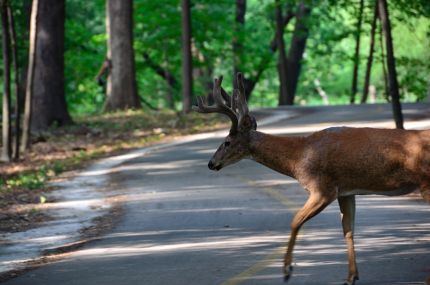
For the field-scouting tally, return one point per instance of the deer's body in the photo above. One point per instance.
(335, 163)
(350, 161)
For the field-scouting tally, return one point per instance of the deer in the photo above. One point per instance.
(336, 163)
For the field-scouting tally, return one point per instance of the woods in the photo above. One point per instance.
(101, 141)
(161, 55)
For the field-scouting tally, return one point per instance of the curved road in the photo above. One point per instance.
(184, 224)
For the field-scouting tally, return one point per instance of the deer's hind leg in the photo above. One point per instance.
(314, 205)
(347, 210)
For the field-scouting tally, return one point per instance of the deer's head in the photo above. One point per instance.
(236, 145)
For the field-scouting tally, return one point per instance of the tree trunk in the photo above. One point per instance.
(297, 48)
(238, 38)
(357, 53)
(49, 102)
(383, 64)
(23, 62)
(391, 64)
(18, 102)
(187, 76)
(370, 57)
(251, 81)
(121, 84)
(6, 153)
(25, 142)
(282, 57)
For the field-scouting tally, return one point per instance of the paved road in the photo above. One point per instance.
(185, 225)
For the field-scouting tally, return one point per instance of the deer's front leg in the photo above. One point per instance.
(347, 209)
(315, 204)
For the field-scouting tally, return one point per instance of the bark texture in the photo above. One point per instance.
(391, 64)
(25, 142)
(370, 57)
(297, 48)
(6, 154)
(18, 102)
(187, 76)
(282, 56)
(121, 83)
(255, 76)
(49, 102)
(357, 53)
(238, 37)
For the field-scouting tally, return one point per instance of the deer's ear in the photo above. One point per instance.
(247, 123)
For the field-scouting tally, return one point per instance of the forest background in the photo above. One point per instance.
(93, 60)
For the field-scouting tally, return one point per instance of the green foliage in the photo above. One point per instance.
(157, 33)
(330, 48)
(85, 51)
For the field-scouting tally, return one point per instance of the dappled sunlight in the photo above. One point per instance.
(275, 182)
(177, 209)
(43, 240)
(208, 243)
(177, 164)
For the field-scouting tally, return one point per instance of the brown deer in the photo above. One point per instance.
(335, 163)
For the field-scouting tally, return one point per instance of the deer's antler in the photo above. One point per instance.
(239, 98)
(221, 106)
(234, 107)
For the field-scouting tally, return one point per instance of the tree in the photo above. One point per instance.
(391, 64)
(18, 102)
(187, 77)
(121, 83)
(238, 37)
(282, 57)
(48, 102)
(6, 154)
(264, 62)
(370, 57)
(28, 110)
(357, 52)
(297, 48)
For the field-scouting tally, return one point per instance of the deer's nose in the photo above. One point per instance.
(211, 165)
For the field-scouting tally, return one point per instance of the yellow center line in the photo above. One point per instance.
(278, 252)
(254, 269)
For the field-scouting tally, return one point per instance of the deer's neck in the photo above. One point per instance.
(281, 154)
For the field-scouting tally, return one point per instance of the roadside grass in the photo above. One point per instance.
(72, 147)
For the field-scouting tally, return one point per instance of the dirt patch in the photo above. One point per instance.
(22, 210)
(100, 226)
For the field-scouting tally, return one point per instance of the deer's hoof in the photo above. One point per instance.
(352, 282)
(287, 273)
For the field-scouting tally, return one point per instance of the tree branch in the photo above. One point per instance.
(264, 62)
(164, 73)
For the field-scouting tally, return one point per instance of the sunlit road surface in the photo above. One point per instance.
(185, 225)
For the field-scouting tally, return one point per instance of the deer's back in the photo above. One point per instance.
(367, 158)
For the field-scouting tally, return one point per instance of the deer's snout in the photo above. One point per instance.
(212, 166)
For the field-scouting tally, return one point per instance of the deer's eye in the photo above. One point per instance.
(226, 143)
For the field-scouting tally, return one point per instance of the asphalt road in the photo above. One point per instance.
(184, 224)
